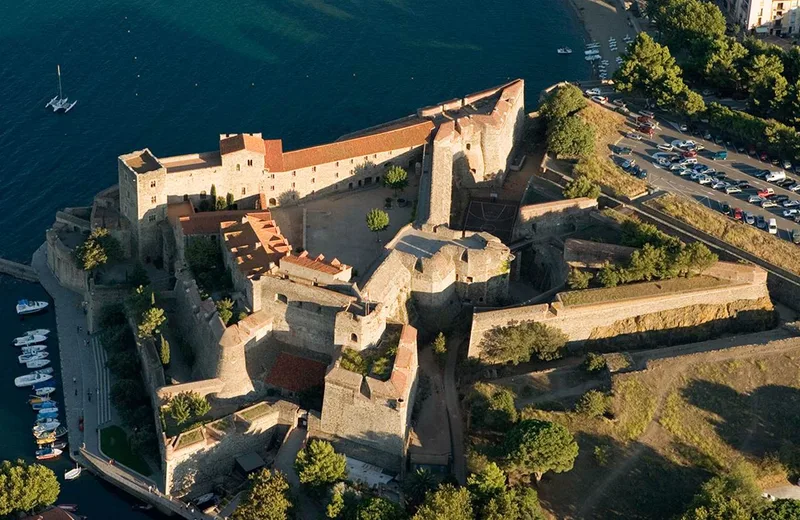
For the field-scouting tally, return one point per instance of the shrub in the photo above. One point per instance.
(593, 404)
(601, 454)
(164, 351)
(578, 279)
(98, 249)
(353, 361)
(594, 363)
(517, 342)
(581, 187)
(225, 310)
(151, 320)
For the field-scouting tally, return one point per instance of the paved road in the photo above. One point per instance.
(454, 410)
(737, 167)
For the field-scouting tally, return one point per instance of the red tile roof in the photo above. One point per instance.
(239, 142)
(318, 263)
(295, 373)
(273, 155)
(255, 241)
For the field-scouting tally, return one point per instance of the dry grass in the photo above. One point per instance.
(600, 168)
(634, 404)
(769, 247)
(640, 290)
(255, 412)
(190, 437)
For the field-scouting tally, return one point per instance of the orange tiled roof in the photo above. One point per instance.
(273, 155)
(318, 263)
(208, 222)
(296, 373)
(255, 242)
(239, 142)
(395, 139)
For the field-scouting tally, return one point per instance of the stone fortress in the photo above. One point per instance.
(307, 303)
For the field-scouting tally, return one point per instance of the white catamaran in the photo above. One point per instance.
(59, 102)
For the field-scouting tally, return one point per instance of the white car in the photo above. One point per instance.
(676, 167)
(690, 160)
(683, 127)
(755, 199)
(704, 179)
(593, 92)
(599, 99)
(732, 189)
(684, 172)
(789, 213)
(634, 136)
(719, 185)
(791, 203)
(695, 176)
(796, 187)
(678, 143)
(666, 147)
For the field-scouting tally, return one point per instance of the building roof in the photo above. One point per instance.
(296, 373)
(249, 462)
(238, 142)
(142, 161)
(394, 139)
(317, 263)
(255, 242)
(208, 222)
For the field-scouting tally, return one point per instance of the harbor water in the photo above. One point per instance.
(172, 76)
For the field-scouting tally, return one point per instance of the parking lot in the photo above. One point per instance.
(737, 167)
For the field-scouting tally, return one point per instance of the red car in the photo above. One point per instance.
(648, 130)
(689, 153)
(763, 156)
(643, 119)
(737, 213)
(766, 193)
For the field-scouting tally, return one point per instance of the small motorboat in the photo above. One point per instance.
(33, 349)
(38, 332)
(24, 358)
(40, 429)
(37, 363)
(29, 339)
(45, 404)
(47, 438)
(61, 431)
(68, 507)
(44, 391)
(46, 371)
(47, 414)
(31, 379)
(30, 306)
(60, 444)
(47, 453)
(591, 52)
(73, 473)
(564, 50)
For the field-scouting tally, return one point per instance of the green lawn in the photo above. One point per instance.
(640, 290)
(114, 443)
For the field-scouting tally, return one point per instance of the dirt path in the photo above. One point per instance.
(454, 410)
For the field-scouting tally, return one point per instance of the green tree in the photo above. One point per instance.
(535, 447)
(517, 342)
(139, 300)
(139, 276)
(577, 279)
(782, 509)
(151, 320)
(581, 186)
(98, 249)
(213, 194)
(446, 503)
(518, 502)
(488, 483)
(696, 258)
(164, 351)
(179, 409)
(123, 363)
(571, 137)
(198, 404)
(734, 496)
(221, 204)
(440, 348)
(564, 101)
(24, 487)
(594, 363)
(593, 404)
(378, 508)
(127, 394)
(267, 498)
(319, 465)
(492, 406)
(417, 485)
(396, 178)
(230, 202)
(225, 310)
(690, 20)
(719, 62)
(377, 220)
(335, 506)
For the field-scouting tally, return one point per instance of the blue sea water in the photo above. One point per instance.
(173, 75)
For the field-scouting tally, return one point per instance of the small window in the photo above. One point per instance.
(313, 180)
(469, 279)
(337, 175)
(244, 191)
(366, 158)
(313, 168)
(469, 146)
(337, 163)
(249, 162)
(153, 199)
(238, 167)
(294, 173)
(272, 176)
(354, 337)
(351, 161)
(151, 218)
(272, 188)
(185, 197)
(281, 298)
(293, 185)
(202, 194)
(352, 172)
(152, 184)
(336, 187)
(374, 156)
(273, 202)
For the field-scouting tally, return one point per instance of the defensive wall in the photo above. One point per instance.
(207, 453)
(553, 218)
(585, 322)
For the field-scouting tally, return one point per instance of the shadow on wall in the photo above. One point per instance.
(743, 321)
(651, 487)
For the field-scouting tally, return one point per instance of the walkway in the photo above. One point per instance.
(454, 409)
(103, 376)
(305, 507)
(17, 270)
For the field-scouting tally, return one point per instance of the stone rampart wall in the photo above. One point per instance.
(61, 261)
(553, 217)
(98, 297)
(579, 321)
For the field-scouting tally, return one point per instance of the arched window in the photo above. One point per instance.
(273, 202)
(281, 298)
(354, 337)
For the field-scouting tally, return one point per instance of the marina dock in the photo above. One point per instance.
(17, 270)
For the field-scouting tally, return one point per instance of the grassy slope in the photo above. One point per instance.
(114, 443)
(640, 290)
(769, 247)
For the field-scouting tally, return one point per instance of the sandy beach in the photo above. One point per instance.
(601, 21)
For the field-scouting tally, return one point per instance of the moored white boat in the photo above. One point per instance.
(38, 332)
(591, 52)
(30, 339)
(50, 413)
(33, 356)
(48, 453)
(44, 391)
(30, 306)
(564, 50)
(37, 363)
(31, 379)
(44, 405)
(32, 349)
(48, 370)
(73, 473)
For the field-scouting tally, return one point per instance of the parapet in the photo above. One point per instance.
(141, 161)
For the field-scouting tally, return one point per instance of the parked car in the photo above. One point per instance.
(647, 130)
(720, 156)
(772, 227)
(647, 113)
(624, 150)
(707, 135)
(628, 164)
(761, 222)
(751, 151)
(767, 203)
(780, 198)
(755, 199)
(599, 99)
(790, 203)
(766, 192)
(676, 167)
(644, 119)
(749, 218)
(796, 236)
(774, 161)
(786, 165)
(760, 174)
(785, 183)
(619, 102)
(740, 148)
(592, 92)
(704, 179)
(634, 136)
(738, 214)
(763, 156)
(689, 153)
(719, 185)
(683, 127)
(726, 209)
(701, 168)
(794, 187)
(790, 213)
(695, 176)
(683, 172)
(689, 160)
(775, 176)
(730, 190)
(666, 147)
(719, 140)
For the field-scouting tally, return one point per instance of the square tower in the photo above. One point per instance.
(142, 200)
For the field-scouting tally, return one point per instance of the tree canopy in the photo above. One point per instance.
(377, 220)
(396, 178)
(517, 342)
(570, 137)
(536, 447)
(24, 487)
(446, 503)
(581, 186)
(267, 498)
(98, 249)
(733, 496)
(318, 464)
(562, 102)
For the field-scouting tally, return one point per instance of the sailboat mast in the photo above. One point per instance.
(59, 81)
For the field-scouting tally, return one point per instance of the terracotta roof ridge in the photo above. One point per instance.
(368, 136)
